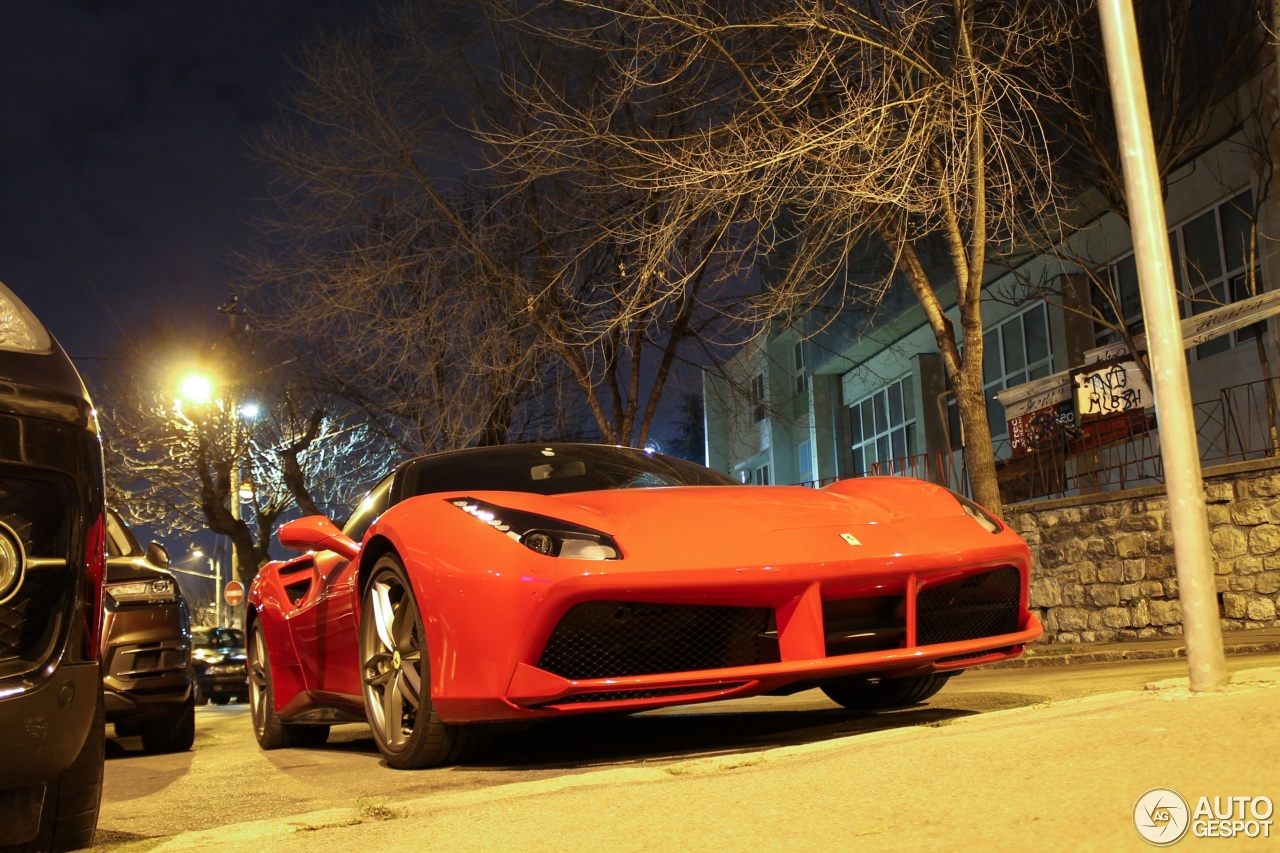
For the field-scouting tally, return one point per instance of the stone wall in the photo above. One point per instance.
(1103, 566)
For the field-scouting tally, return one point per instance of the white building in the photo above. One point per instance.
(860, 397)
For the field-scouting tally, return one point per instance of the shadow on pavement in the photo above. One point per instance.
(594, 740)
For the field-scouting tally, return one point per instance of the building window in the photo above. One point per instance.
(883, 425)
(1016, 351)
(1218, 264)
(1212, 266)
(761, 476)
(797, 365)
(757, 397)
(804, 462)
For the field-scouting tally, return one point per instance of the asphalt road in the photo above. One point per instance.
(226, 779)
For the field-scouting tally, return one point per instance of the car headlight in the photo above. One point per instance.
(548, 536)
(20, 331)
(154, 590)
(979, 514)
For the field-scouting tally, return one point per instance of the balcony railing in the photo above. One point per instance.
(1241, 423)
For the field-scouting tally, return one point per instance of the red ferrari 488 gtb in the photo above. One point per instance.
(526, 581)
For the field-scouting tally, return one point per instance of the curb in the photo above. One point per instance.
(1030, 661)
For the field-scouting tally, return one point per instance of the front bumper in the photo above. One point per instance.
(45, 725)
(220, 684)
(803, 624)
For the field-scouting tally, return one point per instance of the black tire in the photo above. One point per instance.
(199, 695)
(270, 731)
(69, 811)
(129, 729)
(171, 734)
(878, 694)
(405, 724)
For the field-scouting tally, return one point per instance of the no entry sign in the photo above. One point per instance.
(233, 593)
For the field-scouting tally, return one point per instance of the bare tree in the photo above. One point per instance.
(838, 126)
(1195, 56)
(180, 464)
(460, 296)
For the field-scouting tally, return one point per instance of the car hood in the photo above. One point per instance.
(727, 509)
(875, 518)
(120, 569)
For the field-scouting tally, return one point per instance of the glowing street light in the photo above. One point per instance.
(196, 388)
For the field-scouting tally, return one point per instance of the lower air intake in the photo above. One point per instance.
(612, 639)
(980, 605)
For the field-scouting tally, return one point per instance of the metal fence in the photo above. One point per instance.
(1121, 452)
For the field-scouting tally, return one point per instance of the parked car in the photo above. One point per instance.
(52, 562)
(218, 658)
(533, 581)
(146, 645)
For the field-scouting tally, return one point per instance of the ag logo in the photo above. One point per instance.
(1161, 817)
(850, 539)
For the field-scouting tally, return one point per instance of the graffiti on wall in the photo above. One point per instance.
(1110, 390)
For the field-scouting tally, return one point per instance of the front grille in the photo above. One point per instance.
(612, 639)
(28, 619)
(148, 660)
(979, 605)
(654, 693)
(39, 511)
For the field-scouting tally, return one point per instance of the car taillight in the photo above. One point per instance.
(95, 562)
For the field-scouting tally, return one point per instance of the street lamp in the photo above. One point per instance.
(215, 563)
(199, 389)
(196, 388)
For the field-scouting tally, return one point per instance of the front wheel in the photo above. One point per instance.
(396, 671)
(270, 731)
(878, 694)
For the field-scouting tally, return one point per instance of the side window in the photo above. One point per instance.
(370, 507)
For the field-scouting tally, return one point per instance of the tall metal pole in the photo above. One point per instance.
(1183, 484)
(235, 494)
(217, 588)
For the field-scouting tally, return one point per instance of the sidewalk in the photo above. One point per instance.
(1061, 776)
(1234, 643)
(1066, 776)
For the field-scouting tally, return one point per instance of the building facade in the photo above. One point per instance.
(869, 395)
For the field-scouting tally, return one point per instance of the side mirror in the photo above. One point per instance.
(158, 555)
(316, 533)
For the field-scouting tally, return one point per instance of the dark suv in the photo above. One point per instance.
(146, 645)
(218, 657)
(52, 561)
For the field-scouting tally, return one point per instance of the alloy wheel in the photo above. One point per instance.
(391, 642)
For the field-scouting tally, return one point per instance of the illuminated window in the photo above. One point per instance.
(883, 425)
(758, 399)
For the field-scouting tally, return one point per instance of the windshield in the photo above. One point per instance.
(553, 469)
(120, 539)
(218, 638)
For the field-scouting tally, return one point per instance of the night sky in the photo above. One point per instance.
(124, 177)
